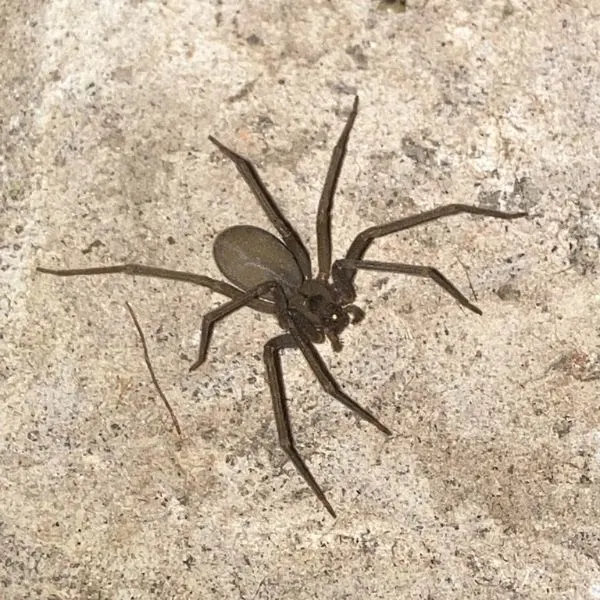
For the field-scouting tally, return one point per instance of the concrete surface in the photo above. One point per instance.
(489, 487)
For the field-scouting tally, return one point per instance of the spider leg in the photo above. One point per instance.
(341, 269)
(134, 269)
(295, 338)
(272, 360)
(307, 348)
(291, 238)
(326, 379)
(364, 239)
(326, 201)
(245, 299)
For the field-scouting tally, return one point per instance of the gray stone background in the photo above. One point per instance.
(489, 487)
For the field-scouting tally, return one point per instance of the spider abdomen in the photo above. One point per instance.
(249, 256)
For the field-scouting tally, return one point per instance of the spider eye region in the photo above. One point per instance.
(332, 317)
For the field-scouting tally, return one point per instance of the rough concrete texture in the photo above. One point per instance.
(489, 486)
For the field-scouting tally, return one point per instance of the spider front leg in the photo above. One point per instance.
(344, 269)
(288, 321)
(299, 340)
(326, 379)
(272, 358)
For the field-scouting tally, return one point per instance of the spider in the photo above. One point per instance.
(274, 275)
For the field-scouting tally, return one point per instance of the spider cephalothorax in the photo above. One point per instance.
(275, 276)
(324, 310)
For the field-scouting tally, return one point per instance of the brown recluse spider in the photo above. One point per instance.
(275, 276)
